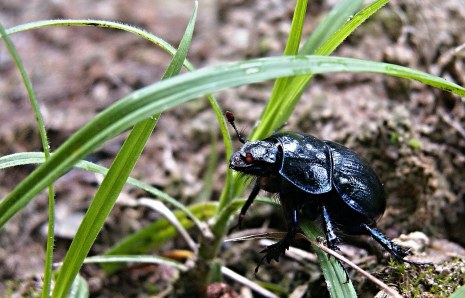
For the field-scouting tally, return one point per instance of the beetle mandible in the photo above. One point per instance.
(314, 178)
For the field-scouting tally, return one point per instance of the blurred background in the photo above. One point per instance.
(413, 135)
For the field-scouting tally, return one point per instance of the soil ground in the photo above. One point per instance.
(413, 135)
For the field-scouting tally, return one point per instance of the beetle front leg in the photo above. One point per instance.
(250, 199)
(274, 251)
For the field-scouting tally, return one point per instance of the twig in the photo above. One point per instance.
(451, 122)
(169, 215)
(378, 282)
(390, 291)
(247, 282)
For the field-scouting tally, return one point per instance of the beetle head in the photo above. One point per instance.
(255, 158)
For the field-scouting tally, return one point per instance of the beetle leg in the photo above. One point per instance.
(250, 199)
(397, 251)
(331, 237)
(274, 251)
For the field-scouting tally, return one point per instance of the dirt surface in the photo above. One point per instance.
(413, 135)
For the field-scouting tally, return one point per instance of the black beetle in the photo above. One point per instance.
(314, 178)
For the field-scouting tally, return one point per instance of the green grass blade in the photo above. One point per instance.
(99, 209)
(459, 293)
(340, 35)
(293, 42)
(208, 178)
(30, 158)
(174, 91)
(43, 137)
(335, 19)
(79, 289)
(292, 45)
(114, 181)
(148, 238)
(280, 108)
(333, 272)
(157, 233)
(180, 57)
(30, 90)
(227, 193)
(98, 23)
(135, 259)
(21, 159)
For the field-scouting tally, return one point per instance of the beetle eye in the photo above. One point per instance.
(248, 158)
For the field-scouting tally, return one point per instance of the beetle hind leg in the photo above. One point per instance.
(397, 251)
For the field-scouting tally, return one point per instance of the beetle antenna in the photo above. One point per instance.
(230, 116)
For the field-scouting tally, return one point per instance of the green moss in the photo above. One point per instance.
(394, 137)
(151, 289)
(432, 281)
(414, 143)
